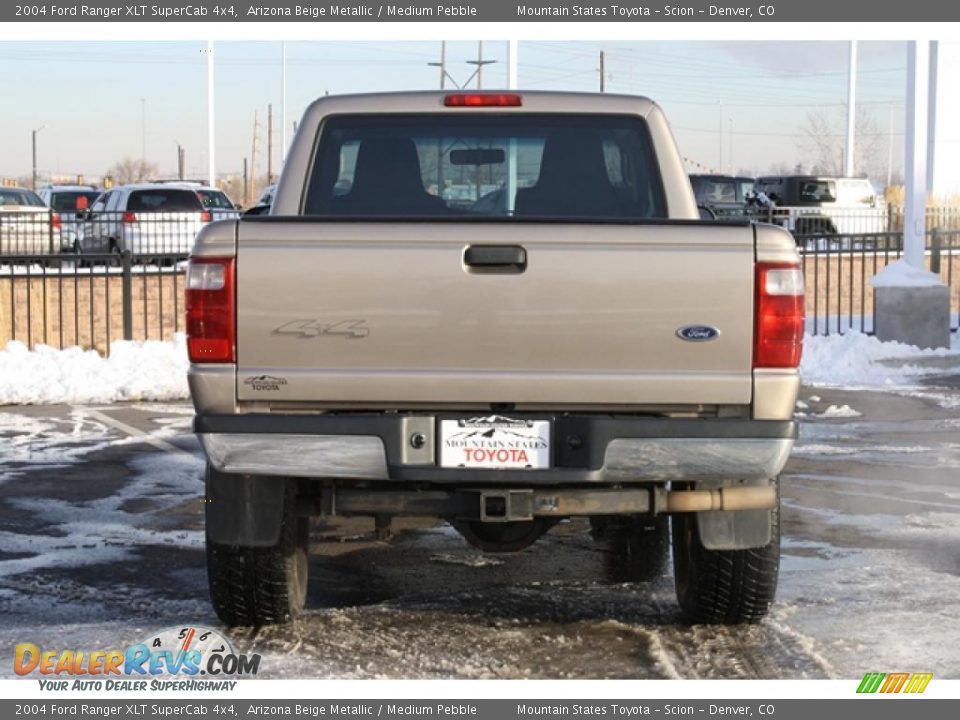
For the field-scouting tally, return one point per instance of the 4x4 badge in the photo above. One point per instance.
(350, 329)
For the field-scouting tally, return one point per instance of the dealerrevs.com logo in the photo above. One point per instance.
(893, 683)
(178, 658)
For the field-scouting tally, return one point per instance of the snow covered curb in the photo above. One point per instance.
(150, 370)
(856, 360)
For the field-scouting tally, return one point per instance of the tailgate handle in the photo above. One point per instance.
(495, 258)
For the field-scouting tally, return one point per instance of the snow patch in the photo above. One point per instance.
(856, 360)
(148, 370)
(469, 560)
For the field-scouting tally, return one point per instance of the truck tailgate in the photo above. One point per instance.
(388, 313)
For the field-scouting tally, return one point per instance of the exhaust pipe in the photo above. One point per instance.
(740, 498)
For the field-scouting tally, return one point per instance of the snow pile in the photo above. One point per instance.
(150, 370)
(857, 360)
(901, 274)
(840, 411)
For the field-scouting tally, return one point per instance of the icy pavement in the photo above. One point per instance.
(101, 543)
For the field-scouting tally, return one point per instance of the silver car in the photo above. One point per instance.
(27, 226)
(145, 219)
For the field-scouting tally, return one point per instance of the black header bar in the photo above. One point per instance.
(486, 11)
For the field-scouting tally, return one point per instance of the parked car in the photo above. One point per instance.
(821, 205)
(144, 219)
(724, 195)
(584, 348)
(218, 203)
(214, 200)
(68, 201)
(27, 226)
(266, 197)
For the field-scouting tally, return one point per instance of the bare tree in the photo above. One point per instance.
(130, 170)
(823, 142)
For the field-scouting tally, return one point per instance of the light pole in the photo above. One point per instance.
(33, 142)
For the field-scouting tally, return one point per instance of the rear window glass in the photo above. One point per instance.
(525, 166)
(164, 200)
(19, 197)
(66, 201)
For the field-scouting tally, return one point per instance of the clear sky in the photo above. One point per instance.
(92, 97)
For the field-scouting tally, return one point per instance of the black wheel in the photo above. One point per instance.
(724, 586)
(261, 585)
(639, 546)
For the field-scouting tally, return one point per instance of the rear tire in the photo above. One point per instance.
(724, 586)
(262, 585)
(639, 546)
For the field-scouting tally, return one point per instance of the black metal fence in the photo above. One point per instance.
(838, 270)
(825, 221)
(78, 296)
(143, 235)
(91, 300)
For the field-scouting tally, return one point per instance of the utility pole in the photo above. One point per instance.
(246, 184)
(730, 145)
(34, 148)
(181, 158)
(850, 166)
(253, 153)
(720, 134)
(143, 130)
(479, 62)
(603, 71)
(443, 64)
(444, 75)
(269, 143)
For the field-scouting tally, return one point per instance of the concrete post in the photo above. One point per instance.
(912, 304)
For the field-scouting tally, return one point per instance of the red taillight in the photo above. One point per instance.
(778, 333)
(205, 216)
(129, 217)
(483, 100)
(211, 313)
(55, 221)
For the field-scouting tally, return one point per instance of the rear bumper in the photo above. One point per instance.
(586, 449)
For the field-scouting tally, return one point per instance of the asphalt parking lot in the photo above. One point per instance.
(102, 543)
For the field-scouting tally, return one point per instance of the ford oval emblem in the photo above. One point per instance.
(697, 333)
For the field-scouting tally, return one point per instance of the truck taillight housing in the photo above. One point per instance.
(211, 310)
(778, 332)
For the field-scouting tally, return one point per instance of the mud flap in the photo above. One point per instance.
(244, 510)
(734, 530)
(741, 530)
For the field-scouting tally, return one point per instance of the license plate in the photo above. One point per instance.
(494, 442)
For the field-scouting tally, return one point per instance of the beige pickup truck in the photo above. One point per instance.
(502, 310)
